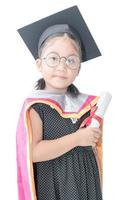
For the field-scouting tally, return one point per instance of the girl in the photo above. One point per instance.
(55, 148)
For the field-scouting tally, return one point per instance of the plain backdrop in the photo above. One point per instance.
(112, 24)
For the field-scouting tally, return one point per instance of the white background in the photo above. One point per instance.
(112, 24)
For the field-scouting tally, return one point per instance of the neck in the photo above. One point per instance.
(63, 91)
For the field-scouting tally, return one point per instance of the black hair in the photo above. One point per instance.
(41, 84)
(76, 40)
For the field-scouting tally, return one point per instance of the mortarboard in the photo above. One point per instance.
(64, 21)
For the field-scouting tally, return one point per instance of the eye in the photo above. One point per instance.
(53, 58)
(71, 61)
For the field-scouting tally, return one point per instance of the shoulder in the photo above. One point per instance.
(88, 99)
(37, 110)
(86, 95)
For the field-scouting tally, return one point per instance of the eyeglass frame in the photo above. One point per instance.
(44, 58)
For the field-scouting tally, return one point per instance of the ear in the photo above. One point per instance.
(39, 64)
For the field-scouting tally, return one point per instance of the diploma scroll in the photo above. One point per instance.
(102, 106)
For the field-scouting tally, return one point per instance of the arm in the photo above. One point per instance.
(44, 150)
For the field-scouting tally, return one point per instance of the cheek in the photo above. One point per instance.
(73, 75)
(46, 71)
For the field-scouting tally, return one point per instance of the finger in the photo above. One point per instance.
(93, 144)
(97, 136)
(95, 140)
(100, 140)
(97, 129)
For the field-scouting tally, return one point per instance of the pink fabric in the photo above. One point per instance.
(21, 157)
(88, 101)
(23, 182)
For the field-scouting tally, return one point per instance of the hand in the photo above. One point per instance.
(88, 136)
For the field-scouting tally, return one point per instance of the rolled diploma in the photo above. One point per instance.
(102, 106)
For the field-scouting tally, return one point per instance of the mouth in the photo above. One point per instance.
(61, 77)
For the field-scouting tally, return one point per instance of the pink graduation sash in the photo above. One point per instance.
(25, 174)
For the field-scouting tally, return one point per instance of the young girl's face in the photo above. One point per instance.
(58, 78)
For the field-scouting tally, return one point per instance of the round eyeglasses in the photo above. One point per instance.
(53, 60)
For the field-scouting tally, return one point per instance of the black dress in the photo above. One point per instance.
(72, 176)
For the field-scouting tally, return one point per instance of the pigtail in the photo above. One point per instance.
(73, 90)
(40, 84)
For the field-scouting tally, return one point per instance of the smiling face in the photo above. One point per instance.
(58, 78)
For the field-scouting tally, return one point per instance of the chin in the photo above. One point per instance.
(60, 87)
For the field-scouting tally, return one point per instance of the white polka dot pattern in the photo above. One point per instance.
(72, 176)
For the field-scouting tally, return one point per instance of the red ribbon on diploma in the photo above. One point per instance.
(88, 120)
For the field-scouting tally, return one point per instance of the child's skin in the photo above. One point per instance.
(57, 80)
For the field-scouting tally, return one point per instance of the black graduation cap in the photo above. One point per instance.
(71, 17)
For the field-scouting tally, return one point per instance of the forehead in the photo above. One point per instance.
(62, 45)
